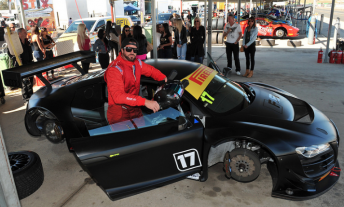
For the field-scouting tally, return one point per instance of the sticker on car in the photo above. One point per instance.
(187, 160)
(199, 80)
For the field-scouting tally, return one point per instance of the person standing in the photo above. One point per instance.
(188, 17)
(26, 56)
(165, 50)
(197, 36)
(84, 44)
(249, 43)
(101, 46)
(37, 44)
(233, 33)
(112, 36)
(70, 21)
(48, 44)
(11, 57)
(157, 37)
(142, 40)
(125, 34)
(180, 39)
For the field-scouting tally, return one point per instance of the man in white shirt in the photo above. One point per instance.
(233, 33)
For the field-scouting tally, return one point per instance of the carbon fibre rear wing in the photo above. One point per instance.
(13, 77)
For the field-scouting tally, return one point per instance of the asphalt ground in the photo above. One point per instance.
(292, 69)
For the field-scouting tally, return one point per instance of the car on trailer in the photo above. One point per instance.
(205, 118)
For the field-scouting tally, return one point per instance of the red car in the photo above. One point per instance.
(269, 28)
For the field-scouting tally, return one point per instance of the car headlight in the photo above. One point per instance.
(313, 150)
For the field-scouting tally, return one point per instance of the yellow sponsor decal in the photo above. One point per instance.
(114, 155)
(199, 80)
(122, 22)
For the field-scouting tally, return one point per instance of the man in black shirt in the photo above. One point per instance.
(188, 17)
(26, 56)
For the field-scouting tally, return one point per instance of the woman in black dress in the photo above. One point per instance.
(113, 38)
(125, 34)
(48, 44)
(197, 36)
(165, 50)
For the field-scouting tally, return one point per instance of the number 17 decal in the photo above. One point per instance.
(187, 160)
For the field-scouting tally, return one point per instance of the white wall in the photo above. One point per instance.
(67, 9)
(103, 7)
(62, 17)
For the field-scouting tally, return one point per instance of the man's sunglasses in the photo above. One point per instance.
(129, 49)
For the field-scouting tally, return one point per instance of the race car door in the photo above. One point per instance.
(140, 154)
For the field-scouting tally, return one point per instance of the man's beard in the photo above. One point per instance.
(131, 59)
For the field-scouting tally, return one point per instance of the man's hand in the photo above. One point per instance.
(236, 42)
(245, 46)
(165, 79)
(153, 105)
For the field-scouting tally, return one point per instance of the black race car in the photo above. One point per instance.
(215, 119)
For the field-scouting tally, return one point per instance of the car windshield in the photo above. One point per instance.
(164, 16)
(73, 28)
(223, 95)
(134, 18)
(216, 92)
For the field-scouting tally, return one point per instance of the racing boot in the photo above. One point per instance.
(247, 72)
(250, 74)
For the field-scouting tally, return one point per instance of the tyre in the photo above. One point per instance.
(214, 38)
(267, 42)
(220, 23)
(214, 24)
(245, 165)
(280, 33)
(220, 38)
(27, 172)
(294, 43)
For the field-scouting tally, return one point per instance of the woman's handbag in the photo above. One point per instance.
(114, 38)
(149, 47)
(242, 48)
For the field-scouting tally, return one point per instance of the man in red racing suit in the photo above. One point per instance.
(123, 81)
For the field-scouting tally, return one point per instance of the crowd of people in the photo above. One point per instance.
(184, 43)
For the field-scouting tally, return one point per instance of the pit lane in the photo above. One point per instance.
(294, 70)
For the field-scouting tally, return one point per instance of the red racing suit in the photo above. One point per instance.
(123, 82)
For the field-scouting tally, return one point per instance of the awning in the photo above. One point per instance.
(130, 7)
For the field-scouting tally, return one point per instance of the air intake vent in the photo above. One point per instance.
(322, 131)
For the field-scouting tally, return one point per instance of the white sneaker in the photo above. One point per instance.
(238, 73)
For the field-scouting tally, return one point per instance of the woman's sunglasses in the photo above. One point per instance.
(129, 49)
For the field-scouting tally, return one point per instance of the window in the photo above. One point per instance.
(73, 28)
(100, 25)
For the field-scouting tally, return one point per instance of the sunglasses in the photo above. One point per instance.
(250, 21)
(127, 30)
(129, 49)
(196, 21)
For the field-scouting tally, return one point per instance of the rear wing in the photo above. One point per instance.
(13, 77)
